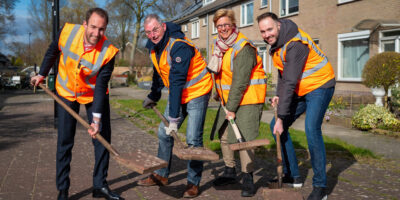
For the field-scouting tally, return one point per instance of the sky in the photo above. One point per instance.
(22, 27)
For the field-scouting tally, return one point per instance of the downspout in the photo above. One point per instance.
(269, 56)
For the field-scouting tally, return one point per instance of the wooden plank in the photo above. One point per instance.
(195, 153)
(141, 161)
(248, 145)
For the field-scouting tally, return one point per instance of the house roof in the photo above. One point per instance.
(202, 10)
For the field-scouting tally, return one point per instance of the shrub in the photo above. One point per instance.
(372, 116)
(382, 70)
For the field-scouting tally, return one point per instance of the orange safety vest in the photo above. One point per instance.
(198, 80)
(257, 88)
(317, 70)
(77, 69)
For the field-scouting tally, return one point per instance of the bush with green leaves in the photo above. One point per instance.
(372, 116)
(382, 70)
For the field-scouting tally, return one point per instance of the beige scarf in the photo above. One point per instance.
(220, 47)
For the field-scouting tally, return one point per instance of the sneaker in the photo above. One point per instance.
(228, 177)
(318, 193)
(292, 182)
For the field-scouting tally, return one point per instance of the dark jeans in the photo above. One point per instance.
(65, 142)
(314, 104)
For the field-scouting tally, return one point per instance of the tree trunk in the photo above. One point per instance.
(134, 43)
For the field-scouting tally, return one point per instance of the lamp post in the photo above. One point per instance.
(29, 50)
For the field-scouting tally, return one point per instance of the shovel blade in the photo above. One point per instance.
(248, 145)
(281, 194)
(195, 153)
(140, 162)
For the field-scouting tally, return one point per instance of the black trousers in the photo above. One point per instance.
(65, 142)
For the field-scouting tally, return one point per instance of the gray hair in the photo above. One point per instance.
(152, 16)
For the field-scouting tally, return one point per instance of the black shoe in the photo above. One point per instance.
(318, 193)
(248, 189)
(292, 182)
(228, 177)
(105, 192)
(62, 195)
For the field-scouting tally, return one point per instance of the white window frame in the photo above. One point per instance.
(205, 21)
(346, 37)
(184, 28)
(287, 8)
(344, 1)
(195, 34)
(214, 29)
(261, 4)
(206, 2)
(245, 14)
(383, 39)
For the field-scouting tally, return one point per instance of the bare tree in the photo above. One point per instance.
(120, 26)
(41, 23)
(172, 8)
(6, 16)
(75, 11)
(139, 8)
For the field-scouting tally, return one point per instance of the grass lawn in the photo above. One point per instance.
(148, 120)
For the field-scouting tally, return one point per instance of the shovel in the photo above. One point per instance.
(275, 190)
(138, 161)
(184, 152)
(242, 144)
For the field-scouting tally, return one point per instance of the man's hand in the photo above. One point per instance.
(148, 103)
(278, 128)
(230, 115)
(95, 127)
(172, 127)
(35, 80)
(275, 101)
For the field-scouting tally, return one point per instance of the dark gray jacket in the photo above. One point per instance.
(296, 57)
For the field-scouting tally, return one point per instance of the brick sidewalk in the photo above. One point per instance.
(27, 167)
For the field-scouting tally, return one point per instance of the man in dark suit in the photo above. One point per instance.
(85, 67)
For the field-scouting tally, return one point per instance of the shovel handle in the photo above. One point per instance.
(80, 120)
(234, 126)
(166, 123)
(278, 151)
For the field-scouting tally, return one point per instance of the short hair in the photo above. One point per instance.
(266, 15)
(98, 11)
(152, 16)
(224, 13)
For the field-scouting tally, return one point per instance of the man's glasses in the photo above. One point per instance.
(154, 31)
(224, 25)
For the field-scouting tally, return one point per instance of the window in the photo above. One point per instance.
(289, 7)
(184, 28)
(195, 29)
(390, 41)
(246, 16)
(214, 29)
(353, 53)
(344, 1)
(264, 3)
(208, 2)
(205, 21)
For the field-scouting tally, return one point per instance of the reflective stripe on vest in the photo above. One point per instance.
(317, 70)
(91, 69)
(256, 88)
(200, 77)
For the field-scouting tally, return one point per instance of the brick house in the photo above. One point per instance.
(348, 31)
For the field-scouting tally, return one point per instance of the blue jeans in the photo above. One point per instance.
(314, 104)
(196, 111)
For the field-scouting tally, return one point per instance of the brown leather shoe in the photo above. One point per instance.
(191, 191)
(153, 179)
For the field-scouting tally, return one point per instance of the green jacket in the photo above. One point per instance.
(247, 116)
